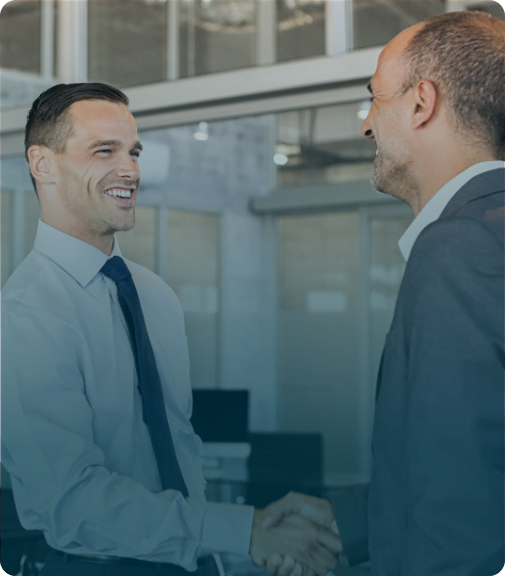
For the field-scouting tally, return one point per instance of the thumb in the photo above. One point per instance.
(273, 518)
(277, 510)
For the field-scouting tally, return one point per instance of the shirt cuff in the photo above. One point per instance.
(227, 528)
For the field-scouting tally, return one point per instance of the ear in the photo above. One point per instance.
(424, 104)
(42, 164)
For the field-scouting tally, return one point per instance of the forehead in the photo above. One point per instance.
(101, 119)
(390, 69)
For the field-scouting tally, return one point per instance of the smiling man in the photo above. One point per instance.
(435, 502)
(96, 396)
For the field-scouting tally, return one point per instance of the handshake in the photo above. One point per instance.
(296, 536)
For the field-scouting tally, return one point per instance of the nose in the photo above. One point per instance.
(366, 129)
(129, 167)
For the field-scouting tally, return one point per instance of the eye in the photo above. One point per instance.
(135, 153)
(105, 150)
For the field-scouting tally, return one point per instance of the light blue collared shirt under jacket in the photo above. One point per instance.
(73, 439)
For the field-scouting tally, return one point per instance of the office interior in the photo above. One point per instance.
(255, 206)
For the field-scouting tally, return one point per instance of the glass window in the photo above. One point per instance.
(127, 41)
(318, 332)
(139, 243)
(192, 261)
(376, 23)
(300, 29)
(323, 145)
(20, 35)
(216, 35)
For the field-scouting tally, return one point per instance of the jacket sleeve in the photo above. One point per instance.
(454, 448)
(350, 510)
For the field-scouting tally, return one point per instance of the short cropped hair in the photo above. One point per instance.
(49, 122)
(463, 54)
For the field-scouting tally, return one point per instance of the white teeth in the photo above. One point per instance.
(119, 192)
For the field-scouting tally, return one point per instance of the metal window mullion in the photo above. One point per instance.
(72, 41)
(47, 39)
(266, 32)
(338, 27)
(172, 40)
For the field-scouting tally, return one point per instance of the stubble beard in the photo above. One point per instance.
(394, 178)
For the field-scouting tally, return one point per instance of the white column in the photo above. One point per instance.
(72, 41)
(266, 31)
(338, 27)
(248, 313)
(173, 40)
(47, 39)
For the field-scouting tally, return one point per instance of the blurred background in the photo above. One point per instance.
(255, 207)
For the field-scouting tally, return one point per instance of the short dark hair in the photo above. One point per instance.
(463, 54)
(49, 123)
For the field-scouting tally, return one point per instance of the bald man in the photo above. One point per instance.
(434, 505)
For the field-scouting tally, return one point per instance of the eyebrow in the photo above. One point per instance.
(115, 143)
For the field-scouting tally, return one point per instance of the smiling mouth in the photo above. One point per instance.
(122, 196)
(120, 192)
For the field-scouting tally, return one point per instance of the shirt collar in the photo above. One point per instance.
(80, 259)
(436, 205)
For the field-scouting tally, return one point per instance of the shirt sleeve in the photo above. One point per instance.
(59, 479)
(454, 447)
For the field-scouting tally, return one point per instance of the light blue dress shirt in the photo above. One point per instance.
(435, 206)
(73, 439)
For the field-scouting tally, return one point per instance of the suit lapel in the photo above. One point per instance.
(478, 187)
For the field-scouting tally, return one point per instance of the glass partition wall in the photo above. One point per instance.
(137, 42)
(293, 307)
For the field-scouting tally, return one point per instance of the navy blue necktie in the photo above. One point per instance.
(155, 414)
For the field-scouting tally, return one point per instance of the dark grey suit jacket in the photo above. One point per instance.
(435, 502)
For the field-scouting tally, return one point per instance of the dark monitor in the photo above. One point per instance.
(221, 415)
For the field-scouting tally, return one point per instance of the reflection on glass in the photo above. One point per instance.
(322, 145)
(139, 243)
(127, 41)
(318, 332)
(6, 234)
(300, 29)
(376, 23)
(216, 35)
(31, 208)
(20, 36)
(193, 240)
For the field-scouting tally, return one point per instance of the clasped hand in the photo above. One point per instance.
(296, 536)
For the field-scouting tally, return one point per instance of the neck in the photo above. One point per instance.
(440, 167)
(104, 243)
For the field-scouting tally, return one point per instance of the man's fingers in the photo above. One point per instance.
(325, 559)
(274, 562)
(313, 563)
(273, 518)
(330, 540)
(287, 566)
(277, 510)
(257, 560)
(308, 572)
